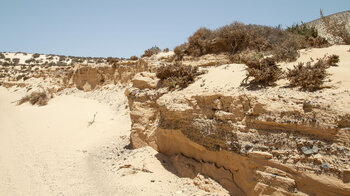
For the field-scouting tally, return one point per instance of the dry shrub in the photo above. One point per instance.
(2, 56)
(264, 71)
(311, 77)
(28, 61)
(344, 121)
(59, 63)
(166, 50)
(62, 58)
(134, 58)
(100, 60)
(336, 27)
(234, 38)
(246, 56)
(15, 61)
(317, 42)
(35, 98)
(207, 64)
(112, 61)
(199, 42)
(36, 55)
(151, 51)
(176, 75)
(180, 50)
(332, 60)
(238, 37)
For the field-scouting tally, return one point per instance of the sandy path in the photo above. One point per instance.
(43, 149)
(51, 150)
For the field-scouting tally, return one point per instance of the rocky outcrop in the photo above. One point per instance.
(238, 139)
(87, 77)
(339, 18)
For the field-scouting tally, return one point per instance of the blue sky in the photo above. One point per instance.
(103, 28)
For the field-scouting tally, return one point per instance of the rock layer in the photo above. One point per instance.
(238, 140)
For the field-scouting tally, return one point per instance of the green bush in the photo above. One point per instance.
(176, 75)
(303, 30)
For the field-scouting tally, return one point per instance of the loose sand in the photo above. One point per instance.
(52, 150)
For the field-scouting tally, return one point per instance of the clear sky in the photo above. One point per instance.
(122, 28)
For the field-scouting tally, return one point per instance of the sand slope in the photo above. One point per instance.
(51, 150)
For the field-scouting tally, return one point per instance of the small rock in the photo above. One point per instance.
(346, 175)
(260, 155)
(249, 146)
(309, 151)
(307, 107)
(243, 152)
(325, 166)
(152, 180)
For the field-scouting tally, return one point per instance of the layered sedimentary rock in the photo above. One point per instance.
(236, 137)
(89, 77)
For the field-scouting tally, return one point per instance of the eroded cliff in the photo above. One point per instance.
(275, 140)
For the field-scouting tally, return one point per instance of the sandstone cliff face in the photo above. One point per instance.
(252, 142)
(89, 77)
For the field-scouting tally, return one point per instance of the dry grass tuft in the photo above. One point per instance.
(35, 98)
